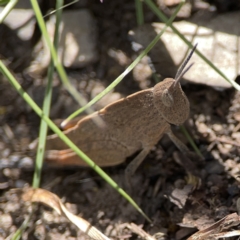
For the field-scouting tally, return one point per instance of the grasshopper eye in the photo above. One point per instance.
(167, 98)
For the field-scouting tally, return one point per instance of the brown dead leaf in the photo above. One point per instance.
(53, 201)
(180, 196)
(218, 229)
(140, 232)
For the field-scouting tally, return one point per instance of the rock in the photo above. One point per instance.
(20, 20)
(142, 72)
(169, 6)
(77, 47)
(170, 3)
(25, 4)
(217, 40)
(15, 36)
(77, 42)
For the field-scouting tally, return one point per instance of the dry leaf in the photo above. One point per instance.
(140, 232)
(53, 201)
(215, 231)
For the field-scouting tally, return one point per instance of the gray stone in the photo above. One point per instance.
(217, 39)
(22, 21)
(77, 47)
(25, 162)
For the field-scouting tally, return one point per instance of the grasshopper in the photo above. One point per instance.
(133, 124)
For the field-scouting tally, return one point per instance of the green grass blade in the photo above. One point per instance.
(54, 56)
(129, 69)
(64, 6)
(43, 127)
(139, 12)
(7, 9)
(61, 71)
(46, 104)
(161, 16)
(18, 234)
(190, 140)
(62, 136)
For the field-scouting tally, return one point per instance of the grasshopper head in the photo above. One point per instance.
(169, 97)
(171, 101)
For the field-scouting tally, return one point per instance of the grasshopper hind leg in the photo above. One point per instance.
(133, 165)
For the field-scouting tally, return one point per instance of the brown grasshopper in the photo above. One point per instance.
(132, 124)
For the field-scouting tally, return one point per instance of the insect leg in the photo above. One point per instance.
(178, 143)
(189, 165)
(132, 166)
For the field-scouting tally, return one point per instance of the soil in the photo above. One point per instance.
(177, 205)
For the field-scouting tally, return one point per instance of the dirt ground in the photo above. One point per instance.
(163, 189)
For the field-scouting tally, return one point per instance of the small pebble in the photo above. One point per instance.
(214, 167)
(217, 127)
(237, 116)
(215, 180)
(221, 212)
(100, 214)
(201, 118)
(26, 162)
(40, 232)
(4, 185)
(14, 158)
(203, 128)
(5, 221)
(2, 145)
(20, 183)
(12, 173)
(233, 190)
(6, 152)
(5, 163)
(236, 135)
(180, 183)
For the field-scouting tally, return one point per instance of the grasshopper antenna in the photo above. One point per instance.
(181, 74)
(180, 71)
